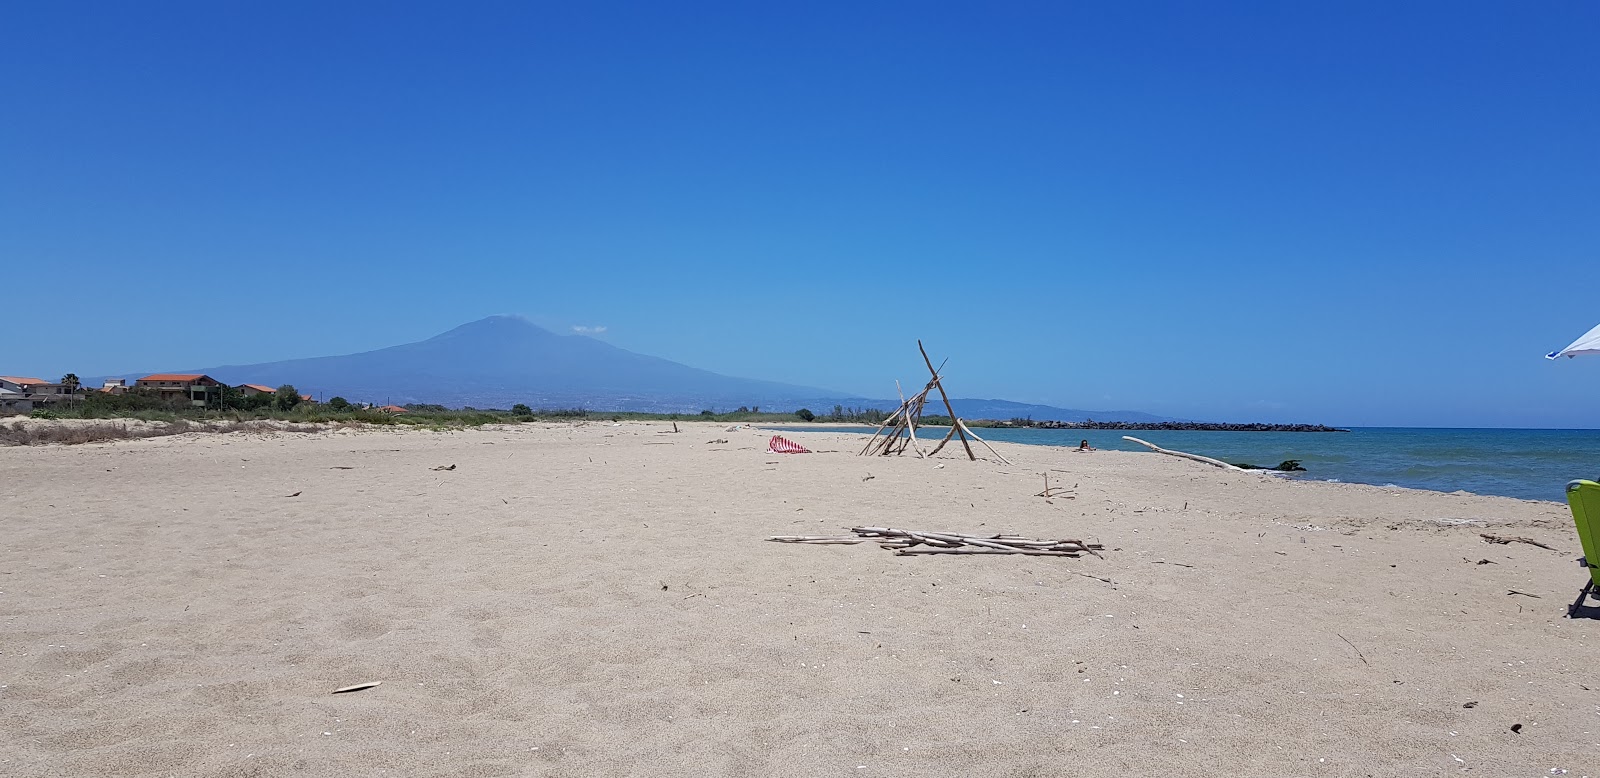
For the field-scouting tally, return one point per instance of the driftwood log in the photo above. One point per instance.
(909, 542)
(1185, 455)
(1504, 539)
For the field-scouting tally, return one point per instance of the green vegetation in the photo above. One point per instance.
(285, 405)
(286, 398)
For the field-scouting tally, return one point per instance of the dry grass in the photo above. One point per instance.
(35, 433)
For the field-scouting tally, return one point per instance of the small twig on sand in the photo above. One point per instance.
(1360, 655)
(1504, 539)
(1524, 594)
(1179, 564)
(1056, 491)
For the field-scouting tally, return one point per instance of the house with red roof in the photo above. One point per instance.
(21, 394)
(198, 389)
(16, 393)
(22, 384)
(254, 389)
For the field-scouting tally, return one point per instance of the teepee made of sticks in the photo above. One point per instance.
(899, 430)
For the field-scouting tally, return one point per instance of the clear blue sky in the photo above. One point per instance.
(1366, 214)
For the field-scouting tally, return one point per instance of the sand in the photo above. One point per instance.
(599, 600)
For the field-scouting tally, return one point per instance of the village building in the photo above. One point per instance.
(198, 389)
(12, 399)
(20, 394)
(21, 384)
(250, 390)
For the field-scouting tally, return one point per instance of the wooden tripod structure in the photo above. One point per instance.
(899, 430)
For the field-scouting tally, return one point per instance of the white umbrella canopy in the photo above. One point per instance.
(1588, 344)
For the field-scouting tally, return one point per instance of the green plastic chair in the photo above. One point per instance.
(1584, 498)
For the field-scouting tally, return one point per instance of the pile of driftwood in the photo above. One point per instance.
(899, 431)
(907, 542)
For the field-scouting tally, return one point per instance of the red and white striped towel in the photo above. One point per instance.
(782, 445)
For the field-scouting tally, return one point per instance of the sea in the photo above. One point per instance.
(1526, 464)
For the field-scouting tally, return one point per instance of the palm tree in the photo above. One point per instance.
(70, 383)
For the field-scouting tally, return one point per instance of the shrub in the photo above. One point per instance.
(339, 404)
(805, 414)
(521, 410)
(286, 398)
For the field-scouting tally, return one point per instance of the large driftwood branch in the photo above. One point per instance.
(981, 440)
(911, 424)
(1185, 455)
(954, 420)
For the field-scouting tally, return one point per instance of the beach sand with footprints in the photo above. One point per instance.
(600, 599)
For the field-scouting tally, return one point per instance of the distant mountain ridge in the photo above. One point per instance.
(500, 361)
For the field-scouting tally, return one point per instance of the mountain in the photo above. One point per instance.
(504, 360)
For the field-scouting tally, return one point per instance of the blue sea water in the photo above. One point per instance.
(1528, 464)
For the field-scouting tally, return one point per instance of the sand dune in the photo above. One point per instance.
(598, 600)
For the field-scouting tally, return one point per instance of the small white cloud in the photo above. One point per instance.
(582, 330)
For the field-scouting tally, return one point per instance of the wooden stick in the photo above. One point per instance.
(911, 430)
(955, 423)
(1024, 551)
(879, 431)
(1195, 457)
(981, 440)
(1362, 656)
(892, 532)
(942, 442)
(1504, 539)
(816, 539)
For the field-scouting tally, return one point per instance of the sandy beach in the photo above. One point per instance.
(599, 599)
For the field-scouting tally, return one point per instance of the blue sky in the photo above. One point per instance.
(1351, 213)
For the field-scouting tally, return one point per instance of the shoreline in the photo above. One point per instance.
(599, 598)
(581, 598)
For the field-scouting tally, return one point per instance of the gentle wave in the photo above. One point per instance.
(1527, 464)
